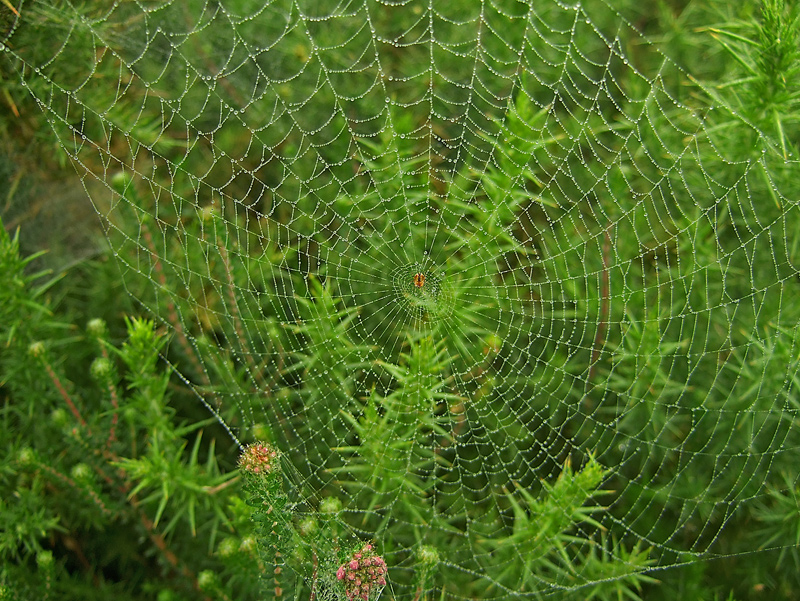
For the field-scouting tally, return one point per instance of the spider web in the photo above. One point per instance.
(437, 250)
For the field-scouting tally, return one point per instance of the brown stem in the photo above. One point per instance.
(172, 314)
(237, 320)
(112, 432)
(74, 547)
(72, 484)
(65, 395)
(459, 410)
(599, 339)
(314, 576)
(212, 490)
(158, 540)
(112, 391)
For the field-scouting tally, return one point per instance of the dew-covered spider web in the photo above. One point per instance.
(499, 276)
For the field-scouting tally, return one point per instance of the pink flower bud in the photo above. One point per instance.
(258, 458)
(362, 574)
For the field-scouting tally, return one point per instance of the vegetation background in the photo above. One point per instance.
(120, 481)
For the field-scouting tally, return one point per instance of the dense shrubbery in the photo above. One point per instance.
(607, 283)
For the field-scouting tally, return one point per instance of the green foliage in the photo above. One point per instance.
(125, 468)
(611, 283)
(766, 51)
(98, 467)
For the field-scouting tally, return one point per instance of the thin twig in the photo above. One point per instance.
(237, 320)
(172, 314)
(599, 339)
(314, 576)
(65, 395)
(112, 391)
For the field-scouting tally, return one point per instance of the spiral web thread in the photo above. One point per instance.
(479, 218)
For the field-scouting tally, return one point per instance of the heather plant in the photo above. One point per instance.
(128, 489)
(363, 575)
(96, 459)
(490, 300)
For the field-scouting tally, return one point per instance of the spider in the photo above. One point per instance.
(419, 280)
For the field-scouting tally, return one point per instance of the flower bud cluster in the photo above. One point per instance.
(259, 458)
(364, 576)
